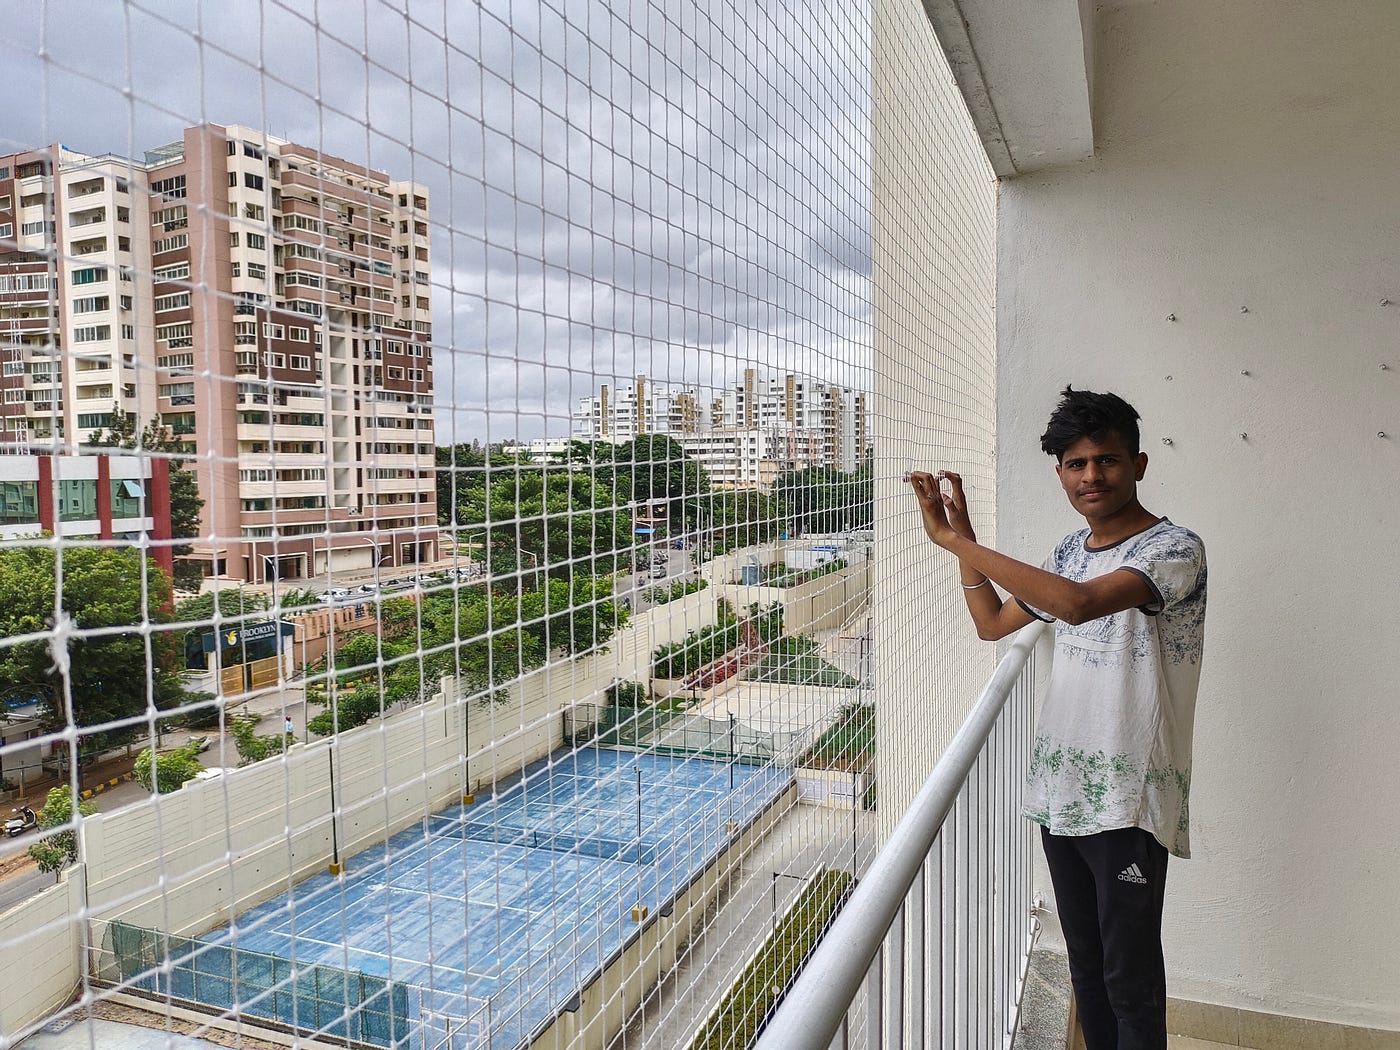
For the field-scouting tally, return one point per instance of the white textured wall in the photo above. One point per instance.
(1248, 157)
(934, 251)
(39, 967)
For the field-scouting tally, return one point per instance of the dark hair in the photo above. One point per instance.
(1083, 413)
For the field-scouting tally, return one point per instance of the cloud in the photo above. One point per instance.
(649, 186)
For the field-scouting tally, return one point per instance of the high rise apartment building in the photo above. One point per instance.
(269, 303)
(746, 435)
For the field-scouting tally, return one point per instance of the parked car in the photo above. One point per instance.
(660, 572)
(336, 594)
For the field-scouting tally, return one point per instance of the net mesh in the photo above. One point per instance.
(453, 560)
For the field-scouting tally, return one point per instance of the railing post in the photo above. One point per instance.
(875, 1003)
(894, 985)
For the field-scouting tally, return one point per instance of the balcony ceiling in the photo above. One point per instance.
(1024, 67)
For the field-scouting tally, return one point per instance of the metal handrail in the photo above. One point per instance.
(812, 1012)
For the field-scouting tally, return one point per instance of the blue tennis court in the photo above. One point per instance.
(496, 914)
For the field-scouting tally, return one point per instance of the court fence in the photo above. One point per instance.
(307, 998)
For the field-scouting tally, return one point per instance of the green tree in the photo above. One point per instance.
(58, 845)
(105, 675)
(736, 518)
(653, 468)
(186, 504)
(165, 773)
(564, 520)
(821, 499)
(231, 602)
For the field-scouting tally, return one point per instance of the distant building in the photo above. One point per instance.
(98, 496)
(744, 436)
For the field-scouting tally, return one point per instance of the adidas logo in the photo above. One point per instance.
(1132, 873)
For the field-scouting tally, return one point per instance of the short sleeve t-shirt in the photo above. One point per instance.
(1113, 742)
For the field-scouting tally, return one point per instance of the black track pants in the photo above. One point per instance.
(1109, 889)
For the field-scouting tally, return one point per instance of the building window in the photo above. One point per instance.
(172, 188)
(257, 271)
(7, 229)
(175, 390)
(298, 361)
(127, 497)
(92, 333)
(91, 304)
(256, 241)
(171, 219)
(77, 500)
(273, 331)
(175, 272)
(90, 275)
(176, 335)
(298, 335)
(172, 302)
(245, 333)
(19, 502)
(253, 211)
(171, 243)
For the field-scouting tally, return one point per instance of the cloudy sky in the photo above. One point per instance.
(672, 187)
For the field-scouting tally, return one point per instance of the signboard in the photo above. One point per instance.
(233, 637)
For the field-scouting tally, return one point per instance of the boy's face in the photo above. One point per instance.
(1100, 477)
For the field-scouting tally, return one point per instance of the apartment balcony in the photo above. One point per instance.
(1189, 210)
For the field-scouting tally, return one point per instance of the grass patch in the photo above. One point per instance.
(794, 661)
(848, 744)
(747, 1005)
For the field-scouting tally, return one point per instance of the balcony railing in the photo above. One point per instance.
(932, 945)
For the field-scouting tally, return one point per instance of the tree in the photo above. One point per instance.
(251, 746)
(165, 773)
(59, 848)
(231, 602)
(563, 519)
(186, 504)
(103, 677)
(820, 499)
(737, 518)
(653, 468)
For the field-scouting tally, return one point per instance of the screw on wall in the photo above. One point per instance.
(1385, 302)
(1382, 434)
(1244, 436)
(1244, 309)
(1171, 317)
(1169, 379)
(1385, 367)
(1166, 441)
(1244, 371)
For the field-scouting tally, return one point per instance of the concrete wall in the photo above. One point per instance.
(934, 281)
(1246, 160)
(40, 965)
(825, 603)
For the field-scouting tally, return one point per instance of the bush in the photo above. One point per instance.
(626, 694)
(56, 850)
(748, 1004)
(677, 589)
(251, 747)
(782, 576)
(170, 769)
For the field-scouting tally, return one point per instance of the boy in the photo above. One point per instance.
(1110, 769)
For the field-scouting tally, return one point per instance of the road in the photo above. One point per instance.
(273, 706)
(633, 587)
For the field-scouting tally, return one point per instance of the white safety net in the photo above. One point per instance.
(456, 587)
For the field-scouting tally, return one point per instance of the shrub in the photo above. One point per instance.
(677, 589)
(254, 748)
(626, 694)
(165, 773)
(56, 850)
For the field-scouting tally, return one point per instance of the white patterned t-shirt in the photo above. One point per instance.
(1113, 741)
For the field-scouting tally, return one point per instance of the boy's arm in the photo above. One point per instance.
(946, 523)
